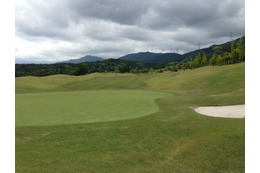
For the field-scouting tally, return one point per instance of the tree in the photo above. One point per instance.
(82, 69)
(159, 70)
(191, 64)
(197, 61)
(116, 70)
(167, 68)
(204, 60)
(178, 67)
(234, 54)
(219, 60)
(240, 50)
(226, 57)
(144, 70)
(216, 48)
(137, 71)
(212, 60)
(172, 68)
(183, 66)
(151, 70)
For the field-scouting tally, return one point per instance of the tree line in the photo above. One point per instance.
(236, 54)
(110, 65)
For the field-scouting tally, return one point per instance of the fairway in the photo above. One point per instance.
(55, 108)
(134, 123)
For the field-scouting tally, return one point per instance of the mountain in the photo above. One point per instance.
(174, 57)
(149, 56)
(225, 47)
(152, 57)
(88, 58)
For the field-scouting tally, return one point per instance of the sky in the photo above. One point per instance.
(56, 30)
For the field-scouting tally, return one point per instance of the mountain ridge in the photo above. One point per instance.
(174, 57)
(87, 58)
(150, 57)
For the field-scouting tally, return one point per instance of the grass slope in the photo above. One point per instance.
(174, 139)
(94, 81)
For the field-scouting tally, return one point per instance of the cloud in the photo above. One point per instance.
(63, 29)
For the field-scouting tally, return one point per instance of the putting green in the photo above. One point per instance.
(54, 108)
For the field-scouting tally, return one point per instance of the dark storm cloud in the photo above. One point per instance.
(136, 34)
(123, 12)
(112, 28)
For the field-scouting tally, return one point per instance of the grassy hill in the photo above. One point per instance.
(172, 139)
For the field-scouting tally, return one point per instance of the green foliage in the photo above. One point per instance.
(178, 67)
(109, 65)
(212, 60)
(204, 60)
(116, 70)
(226, 57)
(219, 49)
(197, 61)
(173, 68)
(151, 70)
(184, 66)
(240, 50)
(136, 70)
(81, 70)
(234, 53)
(219, 60)
(191, 64)
(228, 52)
(216, 48)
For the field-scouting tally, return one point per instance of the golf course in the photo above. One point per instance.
(107, 122)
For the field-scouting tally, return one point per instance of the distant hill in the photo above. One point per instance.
(88, 58)
(174, 57)
(152, 57)
(225, 47)
(149, 57)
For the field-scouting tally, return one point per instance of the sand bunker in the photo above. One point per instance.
(237, 111)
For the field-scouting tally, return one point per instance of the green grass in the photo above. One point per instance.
(93, 81)
(54, 108)
(173, 139)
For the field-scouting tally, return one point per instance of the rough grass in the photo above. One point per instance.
(174, 139)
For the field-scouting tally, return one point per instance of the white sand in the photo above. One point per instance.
(237, 111)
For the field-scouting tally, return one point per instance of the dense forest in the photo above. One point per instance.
(109, 65)
(234, 53)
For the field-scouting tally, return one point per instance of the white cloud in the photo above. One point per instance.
(62, 29)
